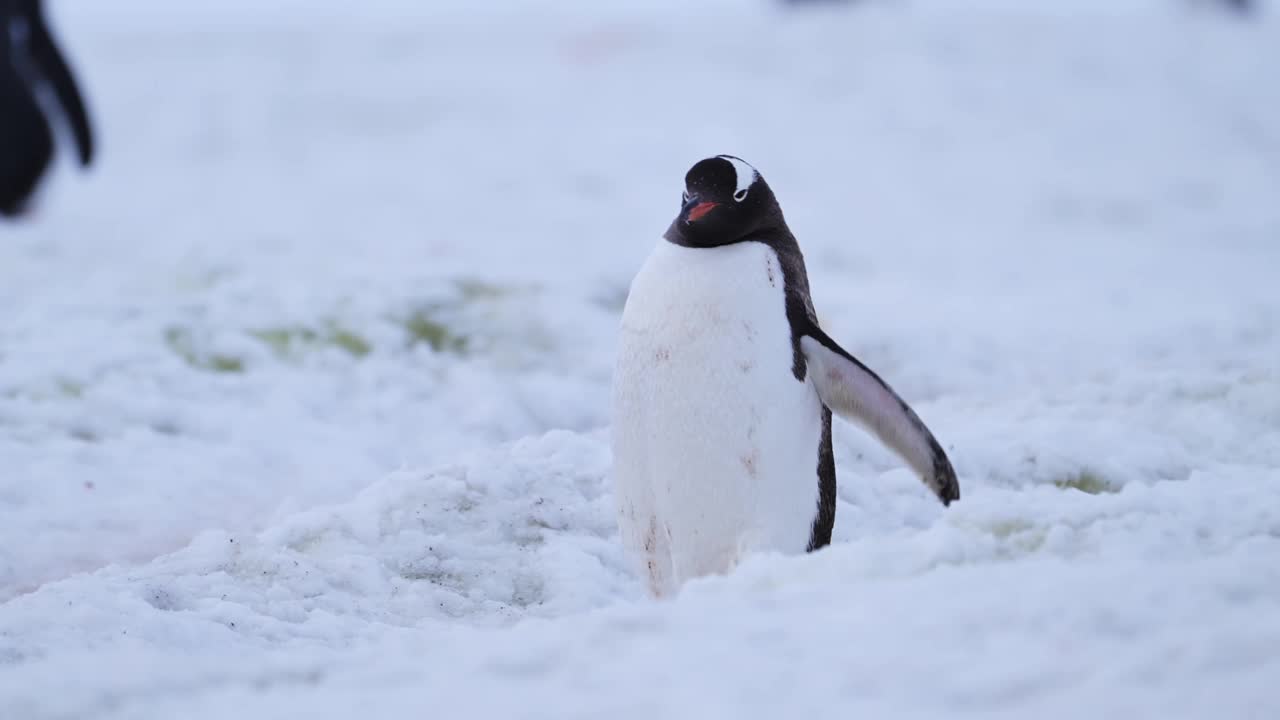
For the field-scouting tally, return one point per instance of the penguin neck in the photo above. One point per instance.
(778, 238)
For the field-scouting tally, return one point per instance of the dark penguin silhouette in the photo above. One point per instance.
(34, 80)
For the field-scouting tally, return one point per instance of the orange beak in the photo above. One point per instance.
(697, 212)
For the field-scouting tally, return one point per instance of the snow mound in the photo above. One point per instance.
(522, 531)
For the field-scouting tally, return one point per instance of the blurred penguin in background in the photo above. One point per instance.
(35, 85)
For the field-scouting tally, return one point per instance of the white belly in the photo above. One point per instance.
(715, 442)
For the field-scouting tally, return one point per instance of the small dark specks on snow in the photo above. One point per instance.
(662, 354)
(161, 599)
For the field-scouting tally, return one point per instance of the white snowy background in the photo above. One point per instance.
(304, 388)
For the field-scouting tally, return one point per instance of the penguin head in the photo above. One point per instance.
(725, 201)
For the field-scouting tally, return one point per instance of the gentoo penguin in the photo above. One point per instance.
(724, 387)
(30, 65)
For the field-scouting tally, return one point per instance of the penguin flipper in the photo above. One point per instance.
(53, 68)
(858, 395)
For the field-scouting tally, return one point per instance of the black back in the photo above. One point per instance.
(29, 64)
(756, 216)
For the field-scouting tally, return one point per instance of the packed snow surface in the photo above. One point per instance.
(304, 389)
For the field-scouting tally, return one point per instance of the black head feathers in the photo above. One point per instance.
(725, 201)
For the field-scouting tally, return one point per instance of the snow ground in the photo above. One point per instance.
(303, 392)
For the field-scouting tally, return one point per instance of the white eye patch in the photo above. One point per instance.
(746, 175)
